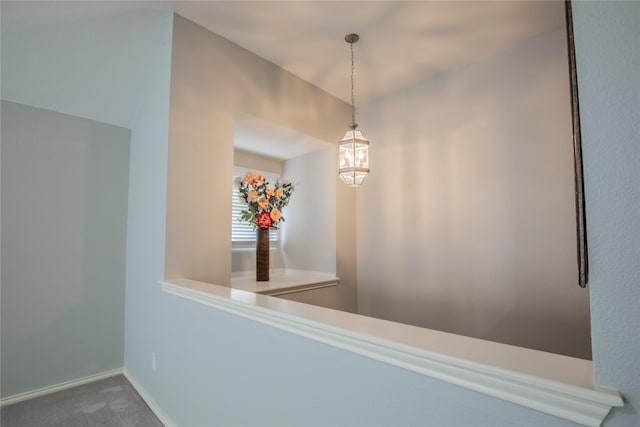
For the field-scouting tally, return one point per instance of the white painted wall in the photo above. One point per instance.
(467, 222)
(64, 210)
(608, 60)
(309, 233)
(309, 241)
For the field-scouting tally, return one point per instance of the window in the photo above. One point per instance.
(243, 232)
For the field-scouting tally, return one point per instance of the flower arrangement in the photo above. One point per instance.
(264, 200)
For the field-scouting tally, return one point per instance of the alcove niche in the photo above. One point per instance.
(307, 238)
(318, 235)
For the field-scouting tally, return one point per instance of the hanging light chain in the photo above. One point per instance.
(353, 103)
(351, 39)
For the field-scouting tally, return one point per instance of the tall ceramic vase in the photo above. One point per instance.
(262, 255)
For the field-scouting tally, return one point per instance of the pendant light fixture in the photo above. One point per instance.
(353, 160)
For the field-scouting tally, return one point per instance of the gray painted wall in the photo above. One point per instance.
(64, 210)
(608, 59)
(476, 234)
(94, 67)
(146, 222)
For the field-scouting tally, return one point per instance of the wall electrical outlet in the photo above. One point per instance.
(153, 360)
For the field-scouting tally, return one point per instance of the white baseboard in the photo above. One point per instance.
(150, 401)
(58, 387)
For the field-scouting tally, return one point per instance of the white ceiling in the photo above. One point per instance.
(91, 59)
(401, 42)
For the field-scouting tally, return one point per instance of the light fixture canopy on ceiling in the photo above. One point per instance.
(353, 160)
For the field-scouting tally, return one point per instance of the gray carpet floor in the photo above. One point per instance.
(109, 402)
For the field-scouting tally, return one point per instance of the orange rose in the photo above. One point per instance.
(263, 203)
(252, 196)
(279, 193)
(249, 178)
(275, 214)
(270, 192)
(253, 177)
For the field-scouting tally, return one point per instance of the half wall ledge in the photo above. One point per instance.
(554, 384)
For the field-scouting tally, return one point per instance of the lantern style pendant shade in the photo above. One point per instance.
(353, 158)
(353, 155)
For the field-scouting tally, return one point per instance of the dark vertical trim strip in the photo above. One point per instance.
(581, 218)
